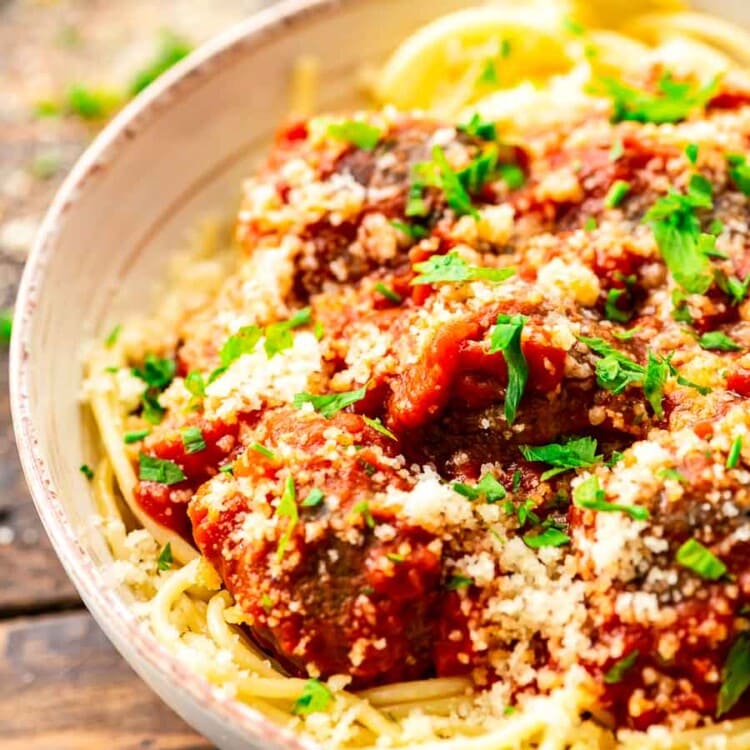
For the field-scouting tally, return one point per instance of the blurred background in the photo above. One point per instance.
(66, 66)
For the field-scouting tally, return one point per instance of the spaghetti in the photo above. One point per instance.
(449, 454)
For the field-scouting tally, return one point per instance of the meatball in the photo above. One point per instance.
(338, 584)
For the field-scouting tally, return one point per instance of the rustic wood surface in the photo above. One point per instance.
(62, 685)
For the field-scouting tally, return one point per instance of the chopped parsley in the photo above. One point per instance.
(524, 512)
(691, 151)
(550, 537)
(314, 498)
(456, 582)
(739, 171)
(488, 74)
(589, 495)
(112, 336)
(173, 49)
(517, 477)
(242, 342)
(287, 508)
(192, 440)
(378, 426)
(616, 193)
(451, 268)
(258, 448)
(512, 175)
(735, 453)
(453, 187)
(6, 325)
(331, 403)
(506, 338)
(153, 469)
(480, 128)
(590, 224)
(91, 103)
(87, 471)
(674, 474)
(135, 435)
(672, 103)
(279, 335)
(267, 603)
(227, 469)
(576, 453)
(155, 372)
(618, 670)
(694, 556)
(165, 558)
(315, 698)
(363, 509)
(358, 133)
(412, 231)
(627, 335)
(480, 170)
(195, 384)
(395, 557)
(735, 676)
(388, 293)
(487, 487)
(678, 235)
(612, 310)
(718, 341)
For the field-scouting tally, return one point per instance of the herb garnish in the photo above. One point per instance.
(279, 335)
(6, 324)
(331, 403)
(506, 338)
(611, 309)
(451, 268)
(315, 698)
(165, 558)
(135, 435)
(550, 537)
(358, 133)
(735, 453)
(412, 231)
(456, 582)
(388, 293)
(479, 128)
(589, 495)
(87, 471)
(157, 374)
(153, 469)
(378, 426)
(363, 509)
(487, 487)
(112, 336)
(617, 671)
(258, 448)
(691, 151)
(195, 384)
(616, 193)
(192, 440)
(718, 341)
(287, 508)
(735, 676)
(694, 556)
(173, 49)
(739, 171)
(314, 497)
(576, 453)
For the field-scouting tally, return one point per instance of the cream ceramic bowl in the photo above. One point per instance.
(176, 153)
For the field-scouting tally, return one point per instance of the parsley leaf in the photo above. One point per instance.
(87, 471)
(611, 309)
(506, 338)
(192, 440)
(195, 384)
(453, 187)
(258, 448)
(165, 558)
(456, 582)
(739, 171)
(718, 341)
(487, 487)
(589, 495)
(279, 335)
(388, 293)
(694, 556)
(153, 469)
(315, 497)
(576, 453)
(315, 698)
(735, 453)
(479, 171)
(412, 231)
(654, 379)
(550, 537)
(155, 372)
(6, 325)
(616, 193)
(617, 671)
(672, 103)
(173, 49)
(134, 436)
(378, 426)
(331, 403)
(691, 151)
(287, 508)
(242, 342)
(112, 336)
(363, 509)
(735, 676)
(358, 133)
(480, 128)
(451, 268)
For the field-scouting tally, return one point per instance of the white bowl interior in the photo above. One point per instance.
(176, 154)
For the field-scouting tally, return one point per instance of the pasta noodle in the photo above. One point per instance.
(544, 54)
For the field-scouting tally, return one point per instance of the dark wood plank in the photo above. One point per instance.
(64, 687)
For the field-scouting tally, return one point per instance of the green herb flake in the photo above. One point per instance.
(279, 335)
(550, 537)
(616, 194)
(91, 103)
(576, 453)
(674, 474)
(590, 224)
(358, 133)
(267, 603)
(617, 671)
(242, 342)
(517, 477)
(456, 582)
(718, 341)
(152, 410)
(153, 469)
(694, 556)
(451, 268)
(735, 453)
(735, 676)
(453, 188)
(573, 27)
(165, 559)
(412, 231)
(488, 74)
(173, 48)
(479, 128)
(377, 425)
(135, 436)
(691, 151)
(258, 448)
(506, 338)
(195, 384)
(112, 336)
(314, 498)
(315, 698)
(627, 335)
(395, 557)
(287, 508)
(589, 495)
(512, 175)
(331, 403)
(363, 509)
(192, 440)
(6, 325)
(611, 309)
(87, 471)
(388, 293)
(739, 171)
(227, 469)
(155, 372)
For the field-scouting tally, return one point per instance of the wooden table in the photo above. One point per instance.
(62, 685)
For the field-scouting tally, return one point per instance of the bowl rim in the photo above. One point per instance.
(116, 618)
